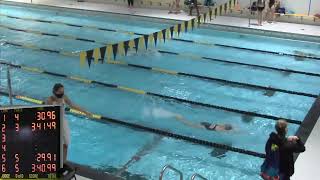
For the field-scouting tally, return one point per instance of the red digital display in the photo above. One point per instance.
(30, 142)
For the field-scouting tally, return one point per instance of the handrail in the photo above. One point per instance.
(197, 175)
(9, 85)
(173, 169)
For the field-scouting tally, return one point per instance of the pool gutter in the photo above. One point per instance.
(309, 122)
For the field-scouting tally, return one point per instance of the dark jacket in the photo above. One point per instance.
(273, 154)
(286, 155)
(286, 149)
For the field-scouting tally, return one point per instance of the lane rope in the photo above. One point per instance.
(139, 34)
(102, 119)
(190, 56)
(138, 91)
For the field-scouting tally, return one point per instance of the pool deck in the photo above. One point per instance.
(307, 164)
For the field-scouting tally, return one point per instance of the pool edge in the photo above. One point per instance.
(308, 123)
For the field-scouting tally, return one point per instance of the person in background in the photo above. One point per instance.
(270, 15)
(260, 7)
(194, 4)
(279, 162)
(174, 7)
(205, 125)
(59, 98)
(130, 4)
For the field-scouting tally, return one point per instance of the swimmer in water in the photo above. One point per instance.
(205, 125)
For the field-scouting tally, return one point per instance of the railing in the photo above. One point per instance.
(198, 175)
(9, 85)
(171, 168)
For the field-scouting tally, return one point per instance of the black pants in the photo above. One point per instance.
(194, 5)
(130, 2)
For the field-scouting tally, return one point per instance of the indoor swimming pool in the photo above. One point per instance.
(224, 77)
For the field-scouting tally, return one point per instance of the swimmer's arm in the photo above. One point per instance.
(74, 106)
(188, 123)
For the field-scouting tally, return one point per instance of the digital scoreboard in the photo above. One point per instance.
(30, 142)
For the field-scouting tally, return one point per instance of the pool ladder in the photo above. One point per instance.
(169, 167)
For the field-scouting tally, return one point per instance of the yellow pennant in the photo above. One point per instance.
(96, 55)
(160, 36)
(83, 56)
(168, 35)
(141, 43)
(109, 53)
(183, 27)
(175, 30)
(121, 48)
(151, 40)
(131, 44)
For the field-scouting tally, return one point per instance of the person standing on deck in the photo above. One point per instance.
(174, 7)
(59, 98)
(194, 4)
(130, 4)
(260, 6)
(279, 162)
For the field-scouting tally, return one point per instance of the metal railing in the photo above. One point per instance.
(9, 86)
(171, 168)
(197, 175)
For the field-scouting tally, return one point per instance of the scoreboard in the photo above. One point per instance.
(31, 145)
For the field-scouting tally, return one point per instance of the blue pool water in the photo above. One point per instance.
(109, 147)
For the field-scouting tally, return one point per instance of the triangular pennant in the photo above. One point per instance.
(160, 36)
(141, 43)
(192, 23)
(115, 51)
(175, 29)
(146, 40)
(136, 44)
(102, 53)
(155, 37)
(215, 12)
(83, 55)
(109, 53)
(189, 25)
(225, 8)
(121, 49)
(164, 34)
(89, 57)
(179, 29)
(220, 10)
(168, 33)
(204, 17)
(131, 44)
(96, 55)
(171, 31)
(210, 14)
(126, 47)
(185, 26)
(151, 39)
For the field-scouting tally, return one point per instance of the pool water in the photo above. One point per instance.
(112, 148)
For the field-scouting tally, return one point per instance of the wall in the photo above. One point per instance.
(298, 6)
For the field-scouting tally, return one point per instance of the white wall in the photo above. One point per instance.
(298, 6)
